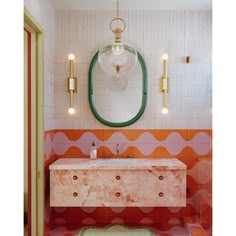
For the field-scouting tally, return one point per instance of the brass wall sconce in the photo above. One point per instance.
(188, 59)
(164, 84)
(71, 84)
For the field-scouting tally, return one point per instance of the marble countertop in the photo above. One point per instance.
(118, 164)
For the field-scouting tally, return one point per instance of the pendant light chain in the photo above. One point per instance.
(117, 19)
(117, 59)
(117, 8)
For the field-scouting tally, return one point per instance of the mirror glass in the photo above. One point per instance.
(120, 100)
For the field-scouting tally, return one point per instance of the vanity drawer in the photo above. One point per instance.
(118, 195)
(162, 196)
(118, 177)
(168, 188)
(72, 187)
(72, 196)
(72, 177)
(166, 178)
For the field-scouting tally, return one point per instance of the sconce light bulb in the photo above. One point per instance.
(165, 56)
(164, 111)
(71, 110)
(118, 71)
(71, 56)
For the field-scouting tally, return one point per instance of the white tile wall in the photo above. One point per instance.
(44, 14)
(178, 33)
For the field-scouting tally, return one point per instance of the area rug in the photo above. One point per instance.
(116, 230)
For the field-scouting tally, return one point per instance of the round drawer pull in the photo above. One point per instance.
(160, 177)
(117, 194)
(75, 177)
(75, 194)
(117, 177)
(161, 194)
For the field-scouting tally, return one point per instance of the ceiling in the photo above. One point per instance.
(132, 4)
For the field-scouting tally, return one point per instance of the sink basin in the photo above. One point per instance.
(121, 161)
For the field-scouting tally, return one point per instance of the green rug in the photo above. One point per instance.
(116, 230)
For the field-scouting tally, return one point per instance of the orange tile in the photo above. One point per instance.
(197, 231)
(192, 186)
(108, 133)
(99, 133)
(157, 153)
(70, 133)
(132, 135)
(51, 134)
(205, 216)
(192, 132)
(183, 133)
(160, 152)
(133, 151)
(188, 157)
(103, 150)
(164, 133)
(73, 152)
(190, 220)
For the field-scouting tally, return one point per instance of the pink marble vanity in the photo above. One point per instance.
(151, 182)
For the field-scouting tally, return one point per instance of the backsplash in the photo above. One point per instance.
(192, 147)
(137, 143)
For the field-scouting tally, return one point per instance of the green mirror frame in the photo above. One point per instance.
(144, 94)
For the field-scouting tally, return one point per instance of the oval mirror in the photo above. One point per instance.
(117, 101)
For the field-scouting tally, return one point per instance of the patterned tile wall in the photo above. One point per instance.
(193, 147)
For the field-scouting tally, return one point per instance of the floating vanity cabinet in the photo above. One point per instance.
(72, 187)
(118, 182)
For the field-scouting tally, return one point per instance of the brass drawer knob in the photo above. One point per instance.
(161, 194)
(160, 177)
(117, 177)
(117, 194)
(75, 194)
(75, 177)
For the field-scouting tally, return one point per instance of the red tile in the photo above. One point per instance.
(197, 231)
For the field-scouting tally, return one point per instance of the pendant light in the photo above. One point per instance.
(117, 58)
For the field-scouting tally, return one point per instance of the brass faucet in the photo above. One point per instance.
(117, 151)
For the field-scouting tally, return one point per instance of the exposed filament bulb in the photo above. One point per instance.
(117, 70)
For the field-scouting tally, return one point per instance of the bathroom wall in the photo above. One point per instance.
(45, 15)
(185, 133)
(178, 33)
(192, 146)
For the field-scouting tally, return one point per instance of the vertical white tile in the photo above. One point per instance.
(179, 33)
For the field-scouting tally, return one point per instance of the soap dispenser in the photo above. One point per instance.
(93, 152)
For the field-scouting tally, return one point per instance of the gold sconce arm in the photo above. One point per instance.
(71, 98)
(71, 84)
(165, 99)
(164, 84)
(71, 65)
